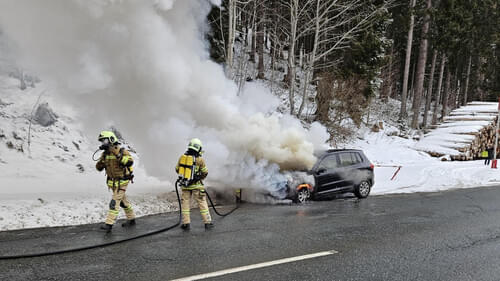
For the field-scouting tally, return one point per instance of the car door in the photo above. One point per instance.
(347, 169)
(326, 174)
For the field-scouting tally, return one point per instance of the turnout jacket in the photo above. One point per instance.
(118, 165)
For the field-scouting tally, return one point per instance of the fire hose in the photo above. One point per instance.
(102, 244)
(77, 249)
(217, 212)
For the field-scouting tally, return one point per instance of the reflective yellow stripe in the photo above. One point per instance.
(193, 187)
(114, 212)
(118, 183)
(186, 212)
(204, 169)
(204, 211)
(110, 157)
(125, 159)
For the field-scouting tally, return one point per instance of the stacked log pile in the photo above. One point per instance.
(464, 134)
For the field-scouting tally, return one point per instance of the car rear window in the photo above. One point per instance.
(359, 159)
(349, 158)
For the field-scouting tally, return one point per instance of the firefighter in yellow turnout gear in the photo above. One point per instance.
(192, 171)
(118, 163)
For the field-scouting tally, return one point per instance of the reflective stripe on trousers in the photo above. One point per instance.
(118, 200)
(201, 199)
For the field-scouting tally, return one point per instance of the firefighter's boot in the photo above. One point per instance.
(209, 226)
(186, 226)
(129, 223)
(107, 227)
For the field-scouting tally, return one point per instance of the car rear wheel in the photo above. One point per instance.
(303, 195)
(362, 190)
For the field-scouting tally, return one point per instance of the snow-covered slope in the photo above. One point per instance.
(52, 180)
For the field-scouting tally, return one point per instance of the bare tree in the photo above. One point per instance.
(403, 113)
(295, 13)
(332, 25)
(260, 41)
(231, 33)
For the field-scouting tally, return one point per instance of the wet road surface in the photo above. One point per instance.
(453, 235)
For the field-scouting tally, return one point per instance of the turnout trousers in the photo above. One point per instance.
(118, 200)
(201, 198)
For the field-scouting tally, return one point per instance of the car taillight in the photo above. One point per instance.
(372, 166)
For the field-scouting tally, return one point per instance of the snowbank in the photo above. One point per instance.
(420, 172)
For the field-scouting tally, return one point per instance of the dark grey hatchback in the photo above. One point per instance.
(337, 171)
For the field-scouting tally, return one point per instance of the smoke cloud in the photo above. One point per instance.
(143, 67)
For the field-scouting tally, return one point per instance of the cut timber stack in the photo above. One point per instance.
(464, 134)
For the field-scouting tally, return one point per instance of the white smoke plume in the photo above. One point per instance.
(143, 67)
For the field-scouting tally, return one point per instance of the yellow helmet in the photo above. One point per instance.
(108, 135)
(195, 144)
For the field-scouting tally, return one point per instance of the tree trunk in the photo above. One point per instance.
(476, 77)
(294, 5)
(404, 94)
(254, 31)
(422, 61)
(454, 91)
(440, 84)
(310, 64)
(446, 93)
(411, 84)
(467, 79)
(260, 43)
(387, 89)
(231, 35)
(429, 91)
(304, 94)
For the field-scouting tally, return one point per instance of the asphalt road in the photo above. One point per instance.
(453, 235)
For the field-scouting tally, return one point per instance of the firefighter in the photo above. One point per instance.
(238, 194)
(193, 186)
(118, 165)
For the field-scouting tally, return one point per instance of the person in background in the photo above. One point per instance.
(490, 154)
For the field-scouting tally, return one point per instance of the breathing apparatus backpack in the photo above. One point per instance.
(187, 169)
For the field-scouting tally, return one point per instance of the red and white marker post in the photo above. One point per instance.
(494, 162)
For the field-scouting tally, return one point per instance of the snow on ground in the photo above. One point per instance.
(53, 181)
(420, 172)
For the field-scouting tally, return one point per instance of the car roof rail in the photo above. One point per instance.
(343, 149)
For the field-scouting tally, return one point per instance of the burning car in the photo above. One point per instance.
(336, 171)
